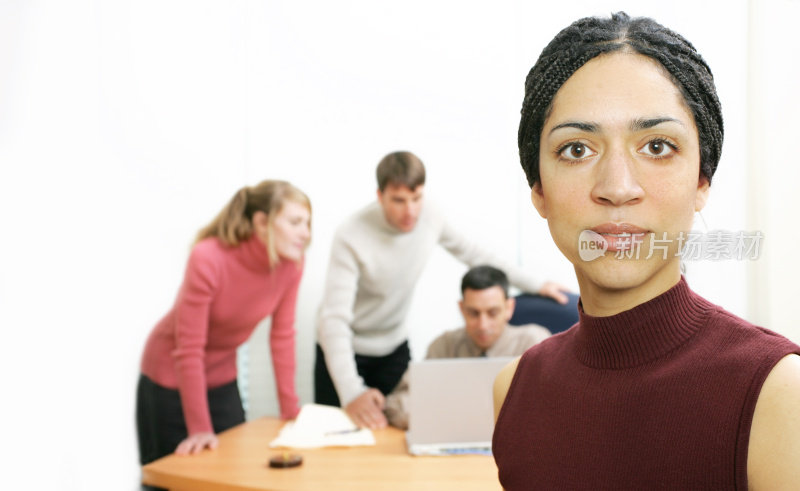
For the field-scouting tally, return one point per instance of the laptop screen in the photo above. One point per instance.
(450, 404)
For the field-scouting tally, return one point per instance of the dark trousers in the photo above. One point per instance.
(159, 416)
(380, 372)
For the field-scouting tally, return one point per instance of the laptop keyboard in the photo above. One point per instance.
(433, 449)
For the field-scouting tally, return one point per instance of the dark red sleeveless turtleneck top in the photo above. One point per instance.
(658, 397)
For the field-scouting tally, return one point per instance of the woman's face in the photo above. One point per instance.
(292, 231)
(620, 159)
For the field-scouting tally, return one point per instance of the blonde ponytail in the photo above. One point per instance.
(234, 223)
(231, 225)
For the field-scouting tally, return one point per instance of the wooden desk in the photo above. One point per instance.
(240, 463)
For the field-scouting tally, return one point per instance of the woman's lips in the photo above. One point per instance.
(620, 236)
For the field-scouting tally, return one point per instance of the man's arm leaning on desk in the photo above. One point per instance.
(363, 404)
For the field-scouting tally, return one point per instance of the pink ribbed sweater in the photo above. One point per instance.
(225, 293)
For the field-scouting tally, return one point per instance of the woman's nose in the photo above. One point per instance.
(616, 180)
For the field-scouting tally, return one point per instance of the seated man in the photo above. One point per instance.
(486, 308)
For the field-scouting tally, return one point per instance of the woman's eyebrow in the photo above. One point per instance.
(581, 125)
(646, 123)
(637, 124)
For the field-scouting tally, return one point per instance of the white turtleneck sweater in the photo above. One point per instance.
(370, 281)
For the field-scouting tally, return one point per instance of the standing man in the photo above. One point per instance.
(486, 308)
(376, 259)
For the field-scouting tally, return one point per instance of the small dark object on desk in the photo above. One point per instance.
(285, 460)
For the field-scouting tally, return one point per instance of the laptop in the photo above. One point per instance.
(450, 406)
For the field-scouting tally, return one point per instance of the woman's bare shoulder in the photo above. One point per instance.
(501, 384)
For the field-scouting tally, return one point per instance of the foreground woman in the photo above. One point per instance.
(655, 387)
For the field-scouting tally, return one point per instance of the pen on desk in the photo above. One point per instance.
(343, 432)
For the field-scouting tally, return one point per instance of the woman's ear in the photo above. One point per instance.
(260, 223)
(703, 188)
(537, 198)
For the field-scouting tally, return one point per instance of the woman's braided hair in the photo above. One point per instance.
(593, 36)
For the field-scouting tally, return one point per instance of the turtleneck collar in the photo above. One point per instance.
(253, 254)
(643, 333)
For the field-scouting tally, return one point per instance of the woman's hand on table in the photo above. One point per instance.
(195, 444)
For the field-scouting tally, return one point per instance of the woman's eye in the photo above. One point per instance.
(658, 148)
(576, 151)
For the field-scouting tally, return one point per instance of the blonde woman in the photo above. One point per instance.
(244, 266)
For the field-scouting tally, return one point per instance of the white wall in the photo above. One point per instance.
(773, 173)
(125, 125)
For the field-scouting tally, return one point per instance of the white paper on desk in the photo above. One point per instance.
(322, 426)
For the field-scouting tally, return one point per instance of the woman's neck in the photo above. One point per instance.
(600, 300)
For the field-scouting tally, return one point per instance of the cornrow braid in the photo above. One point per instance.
(589, 37)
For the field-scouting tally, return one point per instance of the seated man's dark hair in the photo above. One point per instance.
(483, 277)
